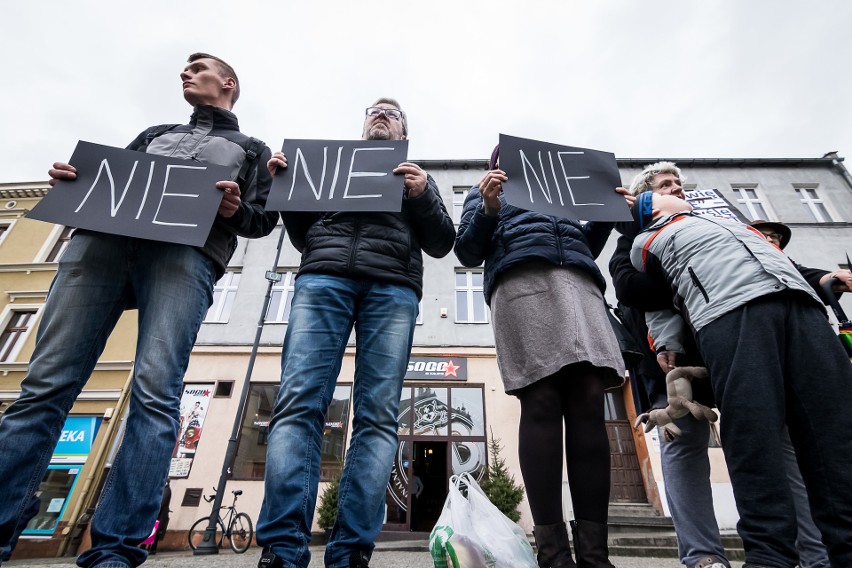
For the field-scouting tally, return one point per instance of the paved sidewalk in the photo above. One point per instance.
(399, 556)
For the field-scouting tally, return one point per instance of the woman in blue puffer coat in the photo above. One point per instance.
(557, 353)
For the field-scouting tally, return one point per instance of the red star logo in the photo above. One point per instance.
(451, 369)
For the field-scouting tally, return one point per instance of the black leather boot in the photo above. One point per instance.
(590, 544)
(554, 551)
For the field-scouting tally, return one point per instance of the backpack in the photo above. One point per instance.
(253, 148)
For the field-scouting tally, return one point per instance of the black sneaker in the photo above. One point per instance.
(269, 560)
(359, 559)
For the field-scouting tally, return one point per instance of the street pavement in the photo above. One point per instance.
(392, 555)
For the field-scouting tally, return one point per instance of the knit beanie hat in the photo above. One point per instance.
(643, 210)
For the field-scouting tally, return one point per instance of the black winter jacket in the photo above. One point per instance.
(374, 246)
(516, 236)
(213, 136)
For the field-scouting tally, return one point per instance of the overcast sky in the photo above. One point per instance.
(642, 79)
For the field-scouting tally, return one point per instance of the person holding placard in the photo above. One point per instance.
(363, 271)
(100, 276)
(557, 353)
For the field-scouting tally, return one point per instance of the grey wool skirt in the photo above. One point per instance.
(546, 317)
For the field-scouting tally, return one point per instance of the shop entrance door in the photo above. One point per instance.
(428, 484)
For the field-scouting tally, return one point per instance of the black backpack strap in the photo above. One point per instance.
(156, 131)
(253, 149)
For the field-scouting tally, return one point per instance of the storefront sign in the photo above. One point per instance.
(443, 368)
(75, 441)
(193, 410)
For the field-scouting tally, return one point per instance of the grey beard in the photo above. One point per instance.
(377, 133)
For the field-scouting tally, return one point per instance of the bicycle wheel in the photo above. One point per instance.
(241, 533)
(199, 527)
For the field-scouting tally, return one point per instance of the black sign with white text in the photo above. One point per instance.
(339, 175)
(574, 183)
(123, 192)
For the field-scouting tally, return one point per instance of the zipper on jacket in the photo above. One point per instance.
(558, 240)
(698, 283)
(355, 244)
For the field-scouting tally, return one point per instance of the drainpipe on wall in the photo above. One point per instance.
(837, 162)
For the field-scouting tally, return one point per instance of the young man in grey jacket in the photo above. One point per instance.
(99, 277)
(773, 360)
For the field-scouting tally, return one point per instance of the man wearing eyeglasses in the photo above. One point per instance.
(361, 271)
(780, 234)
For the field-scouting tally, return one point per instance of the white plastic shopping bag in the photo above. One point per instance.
(472, 533)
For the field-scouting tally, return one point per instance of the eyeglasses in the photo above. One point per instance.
(388, 112)
(772, 236)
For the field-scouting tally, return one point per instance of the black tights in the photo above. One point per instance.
(574, 395)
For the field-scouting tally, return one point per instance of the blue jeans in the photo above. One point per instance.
(323, 313)
(99, 277)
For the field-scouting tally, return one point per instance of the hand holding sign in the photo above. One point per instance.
(230, 198)
(278, 160)
(415, 179)
(490, 187)
(61, 171)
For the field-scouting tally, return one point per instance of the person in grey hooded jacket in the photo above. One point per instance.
(773, 361)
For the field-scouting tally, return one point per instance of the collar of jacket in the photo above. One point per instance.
(219, 116)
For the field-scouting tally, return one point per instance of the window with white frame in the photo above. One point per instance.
(470, 299)
(459, 194)
(813, 203)
(224, 294)
(281, 298)
(15, 333)
(60, 245)
(5, 225)
(750, 202)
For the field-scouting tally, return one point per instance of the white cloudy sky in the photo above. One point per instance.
(642, 79)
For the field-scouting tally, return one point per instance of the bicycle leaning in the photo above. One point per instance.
(239, 531)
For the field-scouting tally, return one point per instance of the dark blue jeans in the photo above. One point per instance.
(324, 311)
(98, 277)
(776, 361)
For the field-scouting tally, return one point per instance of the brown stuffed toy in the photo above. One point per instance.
(679, 390)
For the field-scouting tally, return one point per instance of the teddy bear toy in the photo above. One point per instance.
(680, 403)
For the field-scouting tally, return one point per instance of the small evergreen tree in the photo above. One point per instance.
(327, 509)
(499, 485)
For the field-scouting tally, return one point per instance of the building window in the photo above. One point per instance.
(459, 193)
(15, 333)
(223, 298)
(814, 204)
(60, 245)
(281, 298)
(250, 462)
(4, 229)
(470, 299)
(750, 202)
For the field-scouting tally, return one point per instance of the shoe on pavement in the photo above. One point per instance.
(268, 559)
(711, 561)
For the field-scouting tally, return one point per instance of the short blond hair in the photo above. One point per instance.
(643, 180)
